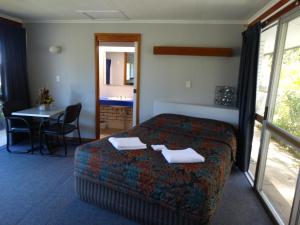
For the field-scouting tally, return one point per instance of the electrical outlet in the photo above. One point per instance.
(57, 78)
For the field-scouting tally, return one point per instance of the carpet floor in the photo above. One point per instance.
(39, 190)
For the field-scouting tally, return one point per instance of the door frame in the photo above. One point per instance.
(116, 37)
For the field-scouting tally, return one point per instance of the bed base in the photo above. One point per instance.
(131, 207)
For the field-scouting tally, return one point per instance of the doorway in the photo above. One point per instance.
(117, 60)
(275, 156)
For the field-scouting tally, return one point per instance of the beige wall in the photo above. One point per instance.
(162, 77)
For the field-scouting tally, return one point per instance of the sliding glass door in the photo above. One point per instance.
(267, 46)
(275, 158)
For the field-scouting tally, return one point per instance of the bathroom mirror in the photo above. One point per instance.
(129, 72)
(119, 68)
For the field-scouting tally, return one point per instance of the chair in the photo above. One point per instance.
(65, 124)
(17, 124)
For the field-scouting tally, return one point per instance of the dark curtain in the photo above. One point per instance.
(14, 83)
(247, 94)
(108, 64)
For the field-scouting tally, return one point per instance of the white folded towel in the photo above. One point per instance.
(129, 143)
(158, 147)
(187, 155)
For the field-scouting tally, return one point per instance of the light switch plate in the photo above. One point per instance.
(57, 78)
(188, 84)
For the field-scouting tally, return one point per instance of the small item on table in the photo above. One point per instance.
(45, 99)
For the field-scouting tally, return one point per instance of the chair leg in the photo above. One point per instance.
(31, 142)
(57, 140)
(7, 142)
(47, 143)
(79, 137)
(41, 143)
(51, 141)
(65, 145)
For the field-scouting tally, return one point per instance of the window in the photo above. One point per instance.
(275, 156)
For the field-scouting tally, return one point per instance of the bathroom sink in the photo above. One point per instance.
(120, 98)
(116, 101)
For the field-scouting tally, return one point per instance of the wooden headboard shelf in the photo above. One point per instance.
(192, 51)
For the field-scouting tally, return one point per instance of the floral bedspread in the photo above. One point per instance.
(192, 190)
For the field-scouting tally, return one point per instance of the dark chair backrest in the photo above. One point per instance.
(72, 113)
(12, 106)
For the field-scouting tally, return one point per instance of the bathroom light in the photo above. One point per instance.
(55, 49)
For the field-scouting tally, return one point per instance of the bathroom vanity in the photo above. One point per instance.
(116, 101)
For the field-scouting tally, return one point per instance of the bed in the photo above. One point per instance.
(142, 186)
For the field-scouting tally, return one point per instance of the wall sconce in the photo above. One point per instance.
(55, 49)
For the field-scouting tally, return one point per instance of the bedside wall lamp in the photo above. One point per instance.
(55, 49)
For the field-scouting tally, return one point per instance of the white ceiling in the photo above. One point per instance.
(191, 10)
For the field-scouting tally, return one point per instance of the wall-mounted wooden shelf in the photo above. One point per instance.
(192, 51)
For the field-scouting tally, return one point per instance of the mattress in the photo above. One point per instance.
(188, 192)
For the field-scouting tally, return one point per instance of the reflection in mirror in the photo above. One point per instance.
(129, 68)
(119, 68)
(114, 68)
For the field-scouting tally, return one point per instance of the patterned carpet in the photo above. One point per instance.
(39, 190)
